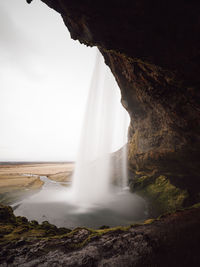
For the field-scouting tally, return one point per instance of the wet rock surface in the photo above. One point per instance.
(174, 236)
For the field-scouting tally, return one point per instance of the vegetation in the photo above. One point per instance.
(13, 228)
(163, 196)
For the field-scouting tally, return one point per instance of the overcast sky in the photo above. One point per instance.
(44, 83)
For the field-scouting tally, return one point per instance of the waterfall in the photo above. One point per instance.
(105, 124)
(97, 196)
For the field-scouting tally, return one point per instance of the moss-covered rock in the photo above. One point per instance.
(6, 214)
(163, 196)
(13, 228)
(5, 230)
(152, 243)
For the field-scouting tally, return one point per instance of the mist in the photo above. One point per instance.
(45, 78)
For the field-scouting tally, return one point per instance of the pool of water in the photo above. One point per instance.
(53, 203)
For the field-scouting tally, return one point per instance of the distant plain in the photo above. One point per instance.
(19, 180)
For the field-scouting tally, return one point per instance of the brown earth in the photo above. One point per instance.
(14, 184)
(37, 168)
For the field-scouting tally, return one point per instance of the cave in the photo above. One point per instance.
(152, 48)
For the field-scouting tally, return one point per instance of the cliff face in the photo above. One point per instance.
(153, 50)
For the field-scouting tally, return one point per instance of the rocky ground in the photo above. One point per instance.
(171, 240)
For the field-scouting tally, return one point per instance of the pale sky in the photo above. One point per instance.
(44, 82)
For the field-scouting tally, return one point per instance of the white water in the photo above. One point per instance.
(91, 200)
(91, 180)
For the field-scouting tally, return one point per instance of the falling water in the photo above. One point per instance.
(92, 176)
(93, 200)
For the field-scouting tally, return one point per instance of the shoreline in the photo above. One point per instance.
(16, 181)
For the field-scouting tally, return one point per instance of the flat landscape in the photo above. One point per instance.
(19, 180)
(36, 168)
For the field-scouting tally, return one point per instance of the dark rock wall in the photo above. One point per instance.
(153, 50)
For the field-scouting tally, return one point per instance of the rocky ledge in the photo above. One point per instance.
(171, 240)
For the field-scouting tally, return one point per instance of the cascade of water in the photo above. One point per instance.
(91, 179)
(93, 200)
(124, 167)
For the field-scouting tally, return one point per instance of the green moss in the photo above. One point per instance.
(6, 229)
(34, 223)
(21, 220)
(11, 232)
(163, 196)
(196, 206)
(149, 221)
(21, 229)
(141, 182)
(6, 214)
(47, 226)
(13, 228)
